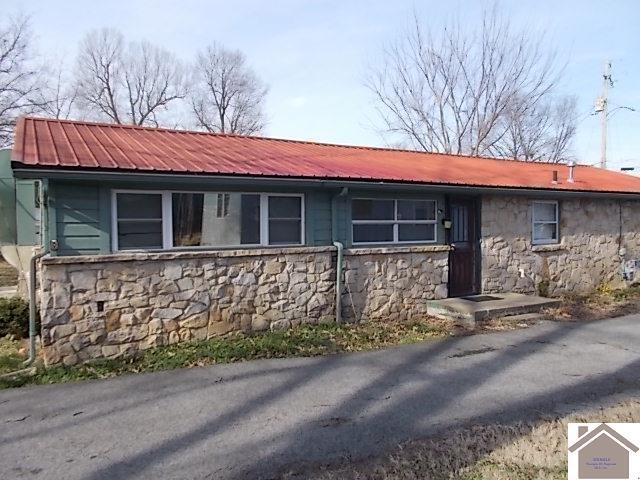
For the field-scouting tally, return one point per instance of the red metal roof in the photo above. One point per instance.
(55, 144)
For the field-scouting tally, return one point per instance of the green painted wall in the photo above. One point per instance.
(79, 218)
(318, 221)
(7, 200)
(19, 216)
(80, 212)
(27, 213)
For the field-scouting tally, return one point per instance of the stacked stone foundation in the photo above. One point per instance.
(117, 305)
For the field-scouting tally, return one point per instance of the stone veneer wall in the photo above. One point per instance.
(393, 284)
(114, 305)
(587, 255)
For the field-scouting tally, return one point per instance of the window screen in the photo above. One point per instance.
(139, 220)
(545, 223)
(393, 221)
(285, 220)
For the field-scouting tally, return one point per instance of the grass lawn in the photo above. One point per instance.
(308, 340)
(11, 355)
(8, 274)
(519, 451)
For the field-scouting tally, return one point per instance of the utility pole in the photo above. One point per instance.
(602, 108)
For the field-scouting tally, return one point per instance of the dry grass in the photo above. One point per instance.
(520, 451)
(8, 274)
(604, 303)
(12, 354)
(306, 340)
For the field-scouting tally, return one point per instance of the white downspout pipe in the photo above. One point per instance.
(340, 252)
(340, 248)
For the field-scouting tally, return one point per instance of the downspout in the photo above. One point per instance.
(32, 306)
(44, 240)
(340, 252)
(340, 248)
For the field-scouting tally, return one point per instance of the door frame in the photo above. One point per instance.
(477, 264)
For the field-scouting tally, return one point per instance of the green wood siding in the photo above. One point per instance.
(27, 215)
(7, 200)
(80, 219)
(82, 212)
(318, 221)
(19, 217)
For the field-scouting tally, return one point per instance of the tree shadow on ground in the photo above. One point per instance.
(374, 416)
(404, 418)
(381, 414)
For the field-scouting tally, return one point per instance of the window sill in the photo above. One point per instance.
(183, 255)
(358, 250)
(552, 247)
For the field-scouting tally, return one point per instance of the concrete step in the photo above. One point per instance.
(475, 308)
(525, 317)
(8, 292)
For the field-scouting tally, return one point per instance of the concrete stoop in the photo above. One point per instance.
(476, 308)
(8, 292)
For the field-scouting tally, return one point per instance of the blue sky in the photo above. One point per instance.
(314, 54)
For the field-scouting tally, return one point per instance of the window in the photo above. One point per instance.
(215, 219)
(393, 221)
(222, 207)
(139, 220)
(545, 222)
(285, 220)
(193, 219)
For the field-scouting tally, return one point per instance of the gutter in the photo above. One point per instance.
(297, 182)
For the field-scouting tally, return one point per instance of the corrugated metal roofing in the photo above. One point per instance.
(64, 144)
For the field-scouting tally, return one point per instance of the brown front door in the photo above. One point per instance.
(464, 241)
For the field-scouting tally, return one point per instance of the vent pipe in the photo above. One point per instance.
(571, 166)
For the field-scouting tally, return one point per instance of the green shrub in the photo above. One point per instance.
(543, 288)
(14, 317)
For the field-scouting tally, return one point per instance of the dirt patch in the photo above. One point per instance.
(518, 451)
(8, 274)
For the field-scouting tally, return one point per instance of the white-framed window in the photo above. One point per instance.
(377, 221)
(545, 224)
(154, 220)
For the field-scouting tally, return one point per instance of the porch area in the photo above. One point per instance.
(475, 308)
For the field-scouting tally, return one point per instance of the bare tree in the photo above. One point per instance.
(227, 95)
(19, 79)
(58, 94)
(454, 92)
(126, 83)
(542, 133)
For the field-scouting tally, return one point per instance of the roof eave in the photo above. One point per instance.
(129, 176)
